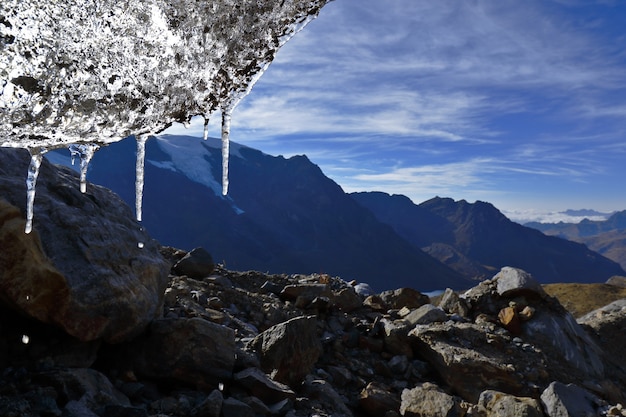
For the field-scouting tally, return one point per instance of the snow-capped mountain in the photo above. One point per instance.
(282, 215)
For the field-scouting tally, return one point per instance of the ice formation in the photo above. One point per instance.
(85, 153)
(95, 72)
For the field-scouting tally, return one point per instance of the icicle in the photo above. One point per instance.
(31, 181)
(206, 128)
(225, 149)
(85, 152)
(141, 155)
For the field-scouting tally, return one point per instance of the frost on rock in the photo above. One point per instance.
(95, 72)
(98, 71)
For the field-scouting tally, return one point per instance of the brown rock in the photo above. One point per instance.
(376, 400)
(404, 297)
(498, 404)
(509, 318)
(197, 264)
(81, 268)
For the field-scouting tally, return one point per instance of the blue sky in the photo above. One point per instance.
(518, 103)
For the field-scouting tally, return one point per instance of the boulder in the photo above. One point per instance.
(289, 350)
(451, 303)
(515, 281)
(329, 400)
(81, 268)
(197, 264)
(561, 400)
(429, 400)
(499, 404)
(425, 314)
(404, 297)
(376, 400)
(617, 281)
(262, 387)
(193, 351)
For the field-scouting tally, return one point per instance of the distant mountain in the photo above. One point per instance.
(281, 215)
(477, 239)
(606, 237)
(585, 213)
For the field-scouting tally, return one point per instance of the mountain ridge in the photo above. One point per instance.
(476, 238)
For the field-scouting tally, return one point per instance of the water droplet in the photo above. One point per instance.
(25, 339)
(140, 245)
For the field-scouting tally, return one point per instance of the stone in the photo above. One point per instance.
(193, 351)
(288, 351)
(197, 264)
(617, 281)
(376, 400)
(375, 302)
(232, 407)
(81, 268)
(347, 300)
(323, 392)
(395, 338)
(306, 291)
(451, 303)
(569, 400)
(211, 406)
(429, 400)
(426, 314)
(89, 389)
(510, 319)
(404, 297)
(499, 404)
(262, 387)
(515, 281)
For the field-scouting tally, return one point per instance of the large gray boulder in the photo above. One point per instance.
(289, 350)
(561, 400)
(82, 268)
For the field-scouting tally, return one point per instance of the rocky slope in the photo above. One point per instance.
(94, 324)
(476, 240)
(249, 344)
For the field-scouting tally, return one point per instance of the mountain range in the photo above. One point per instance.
(283, 215)
(607, 237)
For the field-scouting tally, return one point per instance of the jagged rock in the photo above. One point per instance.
(376, 400)
(499, 404)
(396, 337)
(235, 408)
(471, 363)
(560, 400)
(262, 387)
(404, 297)
(347, 300)
(81, 268)
(429, 400)
(211, 406)
(89, 388)
(193, 351)
(515, 281)
(451, 303)
(289, 350)
(324, 393)
(425, 314)
(617, 281)
(607, 325)
(305, 291)
(197, 264)
(375, 302)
